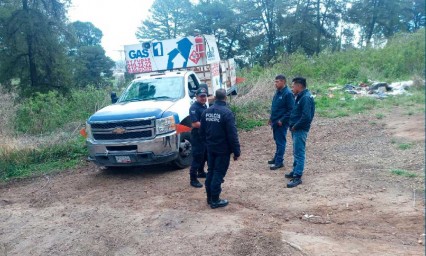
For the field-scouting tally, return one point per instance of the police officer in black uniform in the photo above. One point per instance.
(219, 132)
(199, 153)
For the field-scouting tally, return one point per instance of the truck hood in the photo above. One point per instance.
(132, 110)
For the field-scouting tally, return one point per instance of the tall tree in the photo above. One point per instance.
(34, 39)
(311, 25)
(168, 19)
(377, 18)
(225, 19)
(267, 14)
(415, 17)
(86, 33)
(90, 64)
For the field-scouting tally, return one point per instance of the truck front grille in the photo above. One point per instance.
(112, 125)
(124, 130)
(124, 136)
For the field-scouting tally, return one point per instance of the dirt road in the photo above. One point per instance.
(350, 202)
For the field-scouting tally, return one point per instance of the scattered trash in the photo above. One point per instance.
(379, 90)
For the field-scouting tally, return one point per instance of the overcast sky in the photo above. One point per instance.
(118, 20)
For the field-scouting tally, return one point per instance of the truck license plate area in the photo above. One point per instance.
(123, 159)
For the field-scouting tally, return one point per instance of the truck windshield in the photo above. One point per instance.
(160, 88)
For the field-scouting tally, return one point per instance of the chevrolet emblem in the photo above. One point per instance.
(119, 130)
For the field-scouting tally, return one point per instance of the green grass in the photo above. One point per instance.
(380, 115)
(403, 173)
(404, 146)
(29, 162)
(249, 116)
(45, 113)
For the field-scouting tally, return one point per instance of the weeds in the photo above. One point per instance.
(403, 173)
(31, 161)
(404, 146)
(44, 113)
(380, 116)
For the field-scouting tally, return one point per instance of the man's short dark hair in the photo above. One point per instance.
(280, 77)
(300, 80)
(220, 94)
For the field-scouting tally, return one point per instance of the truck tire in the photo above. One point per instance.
(184, 158)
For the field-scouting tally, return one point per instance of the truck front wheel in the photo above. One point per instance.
(184, 158)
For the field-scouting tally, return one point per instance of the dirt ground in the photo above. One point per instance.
(350, 202)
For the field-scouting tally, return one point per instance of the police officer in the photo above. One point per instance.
(198, 148)
(219, 132)
(282, 105)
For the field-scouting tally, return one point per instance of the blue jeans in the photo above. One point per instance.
(299, 151)
(217, 166)
(279, 133)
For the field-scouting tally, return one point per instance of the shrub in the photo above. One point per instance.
(47, 112)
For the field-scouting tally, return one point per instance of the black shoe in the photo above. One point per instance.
(219, 203)
(275, 167)
(196, 184)
(294, 182)
(202, 174)
(271, 161)
(289, 175)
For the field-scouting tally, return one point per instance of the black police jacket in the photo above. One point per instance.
(195, 112)
(218, 130)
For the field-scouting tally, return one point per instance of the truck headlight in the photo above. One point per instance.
(165, 125)
(89, 131)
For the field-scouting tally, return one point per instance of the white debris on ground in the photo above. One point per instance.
(378, 90)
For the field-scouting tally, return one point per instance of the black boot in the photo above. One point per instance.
(271, 161)
(297, 180)
(289, 176)
(217, 202)
(276, 167)
(195, 183)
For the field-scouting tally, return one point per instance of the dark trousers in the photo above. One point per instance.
(217, 166)
(199, 157)
(280, 133)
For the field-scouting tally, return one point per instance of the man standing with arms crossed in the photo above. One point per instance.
(198, 147)
(282, 105)
(220, 134)
(300, 122)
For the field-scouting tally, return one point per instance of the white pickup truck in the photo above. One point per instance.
(149, 123)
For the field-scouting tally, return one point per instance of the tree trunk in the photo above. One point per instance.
(30, 40)
(371, 26)
(318, 42)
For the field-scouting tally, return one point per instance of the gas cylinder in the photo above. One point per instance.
(199, 46)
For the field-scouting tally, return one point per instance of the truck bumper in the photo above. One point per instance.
(161, 149)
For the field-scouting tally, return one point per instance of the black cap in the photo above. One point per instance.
(202, 91)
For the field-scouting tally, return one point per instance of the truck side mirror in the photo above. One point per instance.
(232, 91)
(191, 94)
(114, 97)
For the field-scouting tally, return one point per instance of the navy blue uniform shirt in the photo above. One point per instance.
(195, 112)
(282, 105)
(303, 112)
(218, 130)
